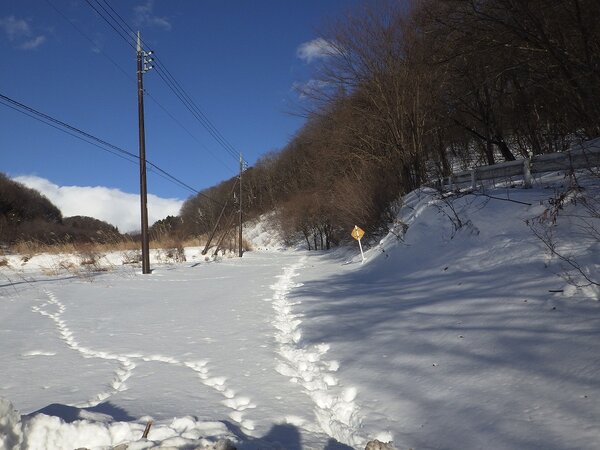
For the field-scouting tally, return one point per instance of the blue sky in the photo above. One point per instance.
(238, 60)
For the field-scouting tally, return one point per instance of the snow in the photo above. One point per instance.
(443, 338)
(263, 233)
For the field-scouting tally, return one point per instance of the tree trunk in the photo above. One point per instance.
(506, 153)
(307, 239)
(489, 151)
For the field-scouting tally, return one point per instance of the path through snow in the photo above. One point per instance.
(335, 408)
(196, 342)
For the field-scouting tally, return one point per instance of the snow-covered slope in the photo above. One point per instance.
(460, 333)
(465, 338)
(263, 234)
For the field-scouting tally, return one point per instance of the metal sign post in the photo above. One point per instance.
(358, 233)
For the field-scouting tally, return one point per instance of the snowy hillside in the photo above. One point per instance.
(462, 333)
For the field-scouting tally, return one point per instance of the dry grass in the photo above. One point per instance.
(165, 242)
(86, 259)
(246, 245)
(28, 248)
(32, 248)
(169, 249)
(132, 257)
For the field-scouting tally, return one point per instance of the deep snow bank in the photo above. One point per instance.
(504, 220)
(11, 434)
(96, 430)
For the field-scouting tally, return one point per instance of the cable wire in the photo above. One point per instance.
(124, 37)
(198, 115)
(170, 80)
(205, 120)
(94, 43)
(96, 141)
(146, 92)
(167, 77)
(130, 34)
(40, 119)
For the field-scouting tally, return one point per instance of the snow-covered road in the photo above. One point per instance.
(218, 341)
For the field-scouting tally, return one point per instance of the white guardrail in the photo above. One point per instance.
(584, 157)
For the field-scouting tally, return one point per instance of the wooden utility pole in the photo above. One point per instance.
(240, 236)
(141, 68)
(214, 230)
(226, 231)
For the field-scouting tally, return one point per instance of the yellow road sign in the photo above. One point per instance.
(357, 233)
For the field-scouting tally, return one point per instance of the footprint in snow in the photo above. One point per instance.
(126, 366)
(336, 412)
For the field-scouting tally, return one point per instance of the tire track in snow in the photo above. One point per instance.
(335, 409)
(238, 404)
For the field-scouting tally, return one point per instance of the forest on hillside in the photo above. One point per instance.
(406, 93)
(28, 216)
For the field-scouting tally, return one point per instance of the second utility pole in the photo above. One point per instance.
(142, 141)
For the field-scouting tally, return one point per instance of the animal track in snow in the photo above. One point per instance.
(122, 373)
(126, 366)
(337, 413)
(38, 353)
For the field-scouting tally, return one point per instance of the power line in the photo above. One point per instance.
(124, 37)
(223, 163)
(131, 36)
(173, 84)
(39, 119)
(131, 30)
(110, 17)
(195, 112)
(94, 43)
(152, 97)
(167, 77)
(66, 125)
(193, 107)
(96, 141)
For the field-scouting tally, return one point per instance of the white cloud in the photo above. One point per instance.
(33, 43)
(144, 16)
(111, 205)
(316, 49)
(15, 28)
(98, 43)
(19, 31)
(308, 89)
